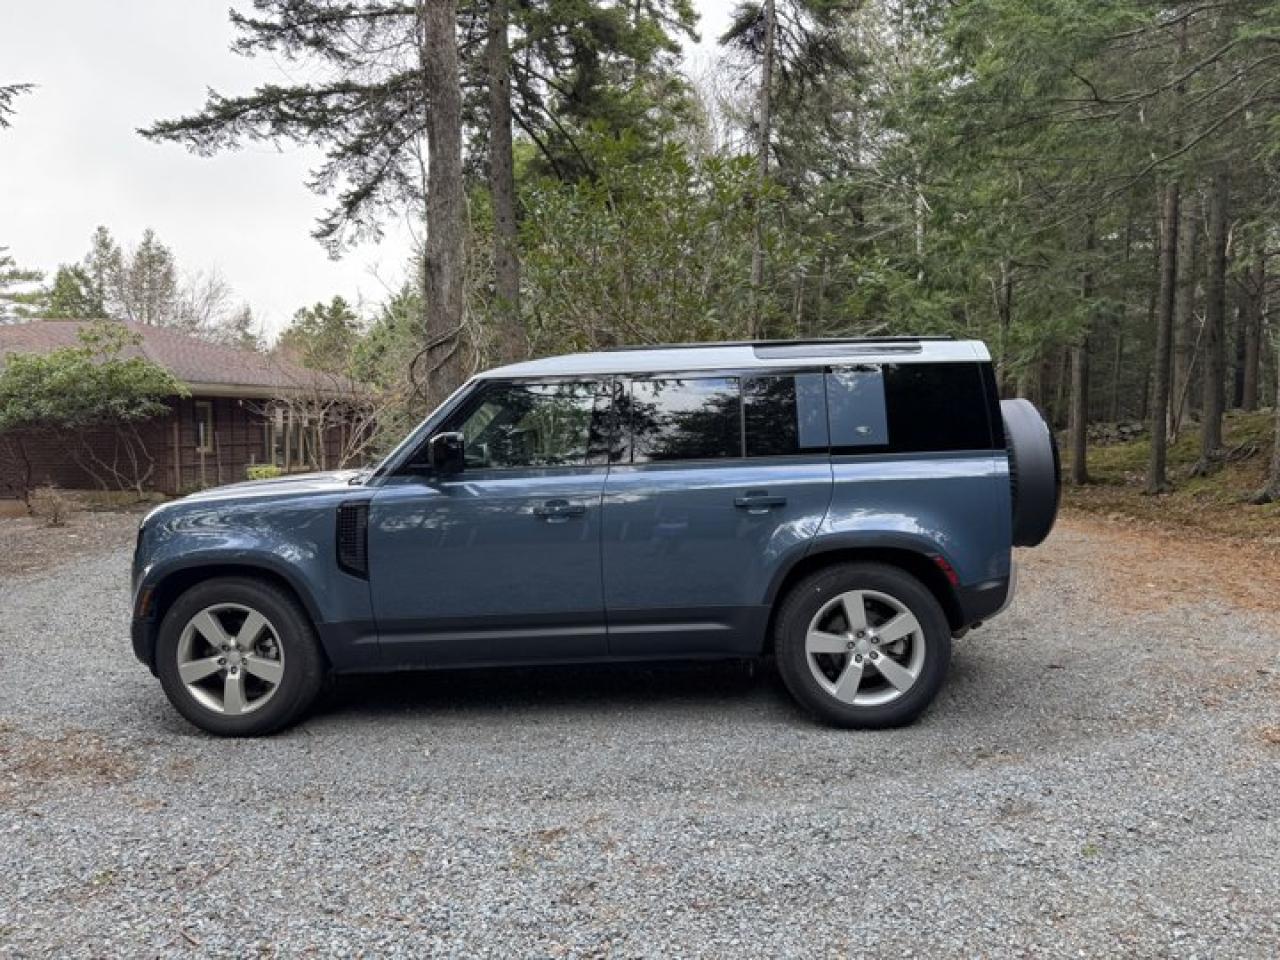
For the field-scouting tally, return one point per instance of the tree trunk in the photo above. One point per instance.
(1117, 364)
(513, 344)
(1237, 357)
(1164, 336)
(446, 221)
(1271, 492)
(1078, 420)
(1153, 300)
(1117, 348)
(1061, 375)
(1184, 313)
(1078, 428)
(1215, 365)
(1029, 383)
(765, 124)
(1004, 310)
(1253, 333)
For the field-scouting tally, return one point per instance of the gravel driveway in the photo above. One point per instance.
(1101, 776)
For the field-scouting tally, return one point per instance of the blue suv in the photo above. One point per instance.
(845, 506)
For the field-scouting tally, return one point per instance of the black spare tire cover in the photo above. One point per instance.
(1034, 472)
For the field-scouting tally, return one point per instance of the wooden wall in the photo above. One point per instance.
(239, 440)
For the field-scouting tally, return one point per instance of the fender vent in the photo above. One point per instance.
(353, 538)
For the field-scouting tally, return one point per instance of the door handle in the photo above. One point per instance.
(758, 501)
(556, 510)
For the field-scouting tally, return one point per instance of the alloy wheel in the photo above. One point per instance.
(865, 648)
(230, 659)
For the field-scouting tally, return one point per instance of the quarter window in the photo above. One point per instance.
(689, 418)
(909, 408)
(856, 407)
(937, 407)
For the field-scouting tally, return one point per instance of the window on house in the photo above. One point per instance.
(292, 439)
(204, 426)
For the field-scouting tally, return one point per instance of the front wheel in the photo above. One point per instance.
(862, 645)
(238, 657)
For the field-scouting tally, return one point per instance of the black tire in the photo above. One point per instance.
(811, 595)
(304, 664)
(1035, 472)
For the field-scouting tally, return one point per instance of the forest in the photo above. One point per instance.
(1088, 187)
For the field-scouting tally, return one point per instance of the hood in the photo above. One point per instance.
(281, 486)
(293, 485)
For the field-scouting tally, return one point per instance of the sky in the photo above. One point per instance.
(72, 159)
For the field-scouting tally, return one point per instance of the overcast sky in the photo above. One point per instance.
(72, 159)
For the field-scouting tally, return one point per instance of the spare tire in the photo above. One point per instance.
(1034, 472)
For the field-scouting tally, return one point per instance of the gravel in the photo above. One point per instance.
(1097, 778)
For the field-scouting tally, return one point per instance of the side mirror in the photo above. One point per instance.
(445, 454)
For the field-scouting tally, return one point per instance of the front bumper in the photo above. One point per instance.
(142, 631)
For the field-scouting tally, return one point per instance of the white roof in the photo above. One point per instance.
(744, 356)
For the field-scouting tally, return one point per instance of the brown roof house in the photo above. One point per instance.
(245, 409)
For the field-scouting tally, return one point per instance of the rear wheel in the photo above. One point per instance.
(238, 657)
(862, 645)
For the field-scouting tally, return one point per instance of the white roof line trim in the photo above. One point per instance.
(736, 357)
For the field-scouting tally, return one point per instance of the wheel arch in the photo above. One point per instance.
(927, 566)
(177, 580)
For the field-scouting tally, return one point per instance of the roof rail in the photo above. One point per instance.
(806, 341)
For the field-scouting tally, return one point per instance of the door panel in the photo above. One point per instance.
(500, 562)
(493, 565)
(690, 549)
(724, 481)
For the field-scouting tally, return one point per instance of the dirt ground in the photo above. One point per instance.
(1150, 566)
(29, 546)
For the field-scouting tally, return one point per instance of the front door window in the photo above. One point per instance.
(535, 425)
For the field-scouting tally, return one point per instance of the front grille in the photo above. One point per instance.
(353, 538)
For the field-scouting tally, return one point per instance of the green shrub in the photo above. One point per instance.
(263, 471)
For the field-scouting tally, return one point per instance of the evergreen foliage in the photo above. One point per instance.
(92, 384)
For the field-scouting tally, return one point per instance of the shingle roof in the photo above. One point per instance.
(205, 367)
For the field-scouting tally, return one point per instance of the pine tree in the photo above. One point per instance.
(146, 288)
(9, 93)
(323, 336)
(72, 296)
(16, 297)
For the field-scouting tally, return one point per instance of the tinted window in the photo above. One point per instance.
(692, 418)
(909, 408)
(533, 425)
(937, 407)
(784, 415)
(856, 407)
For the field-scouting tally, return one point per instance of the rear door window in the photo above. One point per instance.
(685, 418)
(785, 415)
